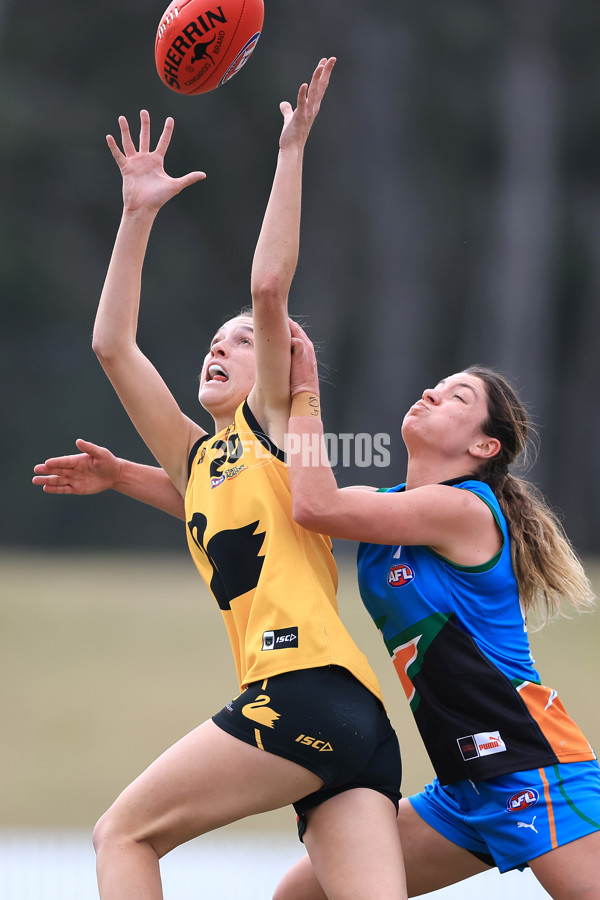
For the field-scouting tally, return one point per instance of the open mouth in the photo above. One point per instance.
(216, 372)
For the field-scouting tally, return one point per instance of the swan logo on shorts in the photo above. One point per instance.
(522, 800)
(399, 575)
(260, 712)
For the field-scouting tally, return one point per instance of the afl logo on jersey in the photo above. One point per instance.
(522, 800)
(399, 575)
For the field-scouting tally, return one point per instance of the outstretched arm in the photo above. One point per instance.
(454, 523)
(150, 405)
(276, 257)
(96, 469)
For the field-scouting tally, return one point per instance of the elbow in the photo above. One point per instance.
(100, 342)
(97, 346)
(308, 514)
(106, 348)
(269, 289)
(102, 351)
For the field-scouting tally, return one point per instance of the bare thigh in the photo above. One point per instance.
(205, 780)
(354, 847)
(572, 871)
(431, 862)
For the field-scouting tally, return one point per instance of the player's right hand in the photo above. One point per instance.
(93, 470)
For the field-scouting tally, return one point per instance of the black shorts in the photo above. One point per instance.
(325, 720)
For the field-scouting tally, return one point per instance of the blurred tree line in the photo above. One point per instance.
(451, 216)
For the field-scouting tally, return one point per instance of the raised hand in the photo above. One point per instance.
(146, 185)
(304, 374)
(298, 122)
(93, 470)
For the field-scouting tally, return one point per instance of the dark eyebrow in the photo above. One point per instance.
(464, 384)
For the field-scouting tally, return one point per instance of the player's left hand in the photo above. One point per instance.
(298, 122)
(304, 373)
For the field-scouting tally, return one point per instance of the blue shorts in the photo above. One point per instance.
(507, 821)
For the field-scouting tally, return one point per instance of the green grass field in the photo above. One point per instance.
(106, 660)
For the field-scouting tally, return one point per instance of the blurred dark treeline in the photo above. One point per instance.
(451, 216)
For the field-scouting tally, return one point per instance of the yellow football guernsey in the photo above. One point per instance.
(274, 581)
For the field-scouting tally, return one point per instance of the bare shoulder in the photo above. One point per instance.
(448, 497)
(195, 433)
(271, 419)
(472, 536)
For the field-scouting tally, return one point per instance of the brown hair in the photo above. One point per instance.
(244, 311)
(547, 569)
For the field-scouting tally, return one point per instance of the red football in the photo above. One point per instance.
(200, 45)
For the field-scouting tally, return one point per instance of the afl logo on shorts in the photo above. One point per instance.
(522, 800)
(399, 575)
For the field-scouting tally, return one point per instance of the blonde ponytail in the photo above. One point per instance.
(548, 571)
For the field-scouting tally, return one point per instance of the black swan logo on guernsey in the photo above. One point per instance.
(235, 557)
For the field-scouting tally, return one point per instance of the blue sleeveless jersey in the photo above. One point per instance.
(458, 640)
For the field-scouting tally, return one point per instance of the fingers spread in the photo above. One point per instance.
(144, 131)
(114, 149)
(165, 138)
(127, 142)
(190, 178)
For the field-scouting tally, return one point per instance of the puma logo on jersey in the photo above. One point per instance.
(483, 744)
(259, 712)
(315, 743)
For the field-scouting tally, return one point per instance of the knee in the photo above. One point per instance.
(104, 832)
(118, 831)
(111, 831)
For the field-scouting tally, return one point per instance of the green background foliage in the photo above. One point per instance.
(452, 216)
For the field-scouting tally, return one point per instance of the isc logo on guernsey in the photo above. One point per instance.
(399, 575)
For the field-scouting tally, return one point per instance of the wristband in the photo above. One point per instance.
(306, 404)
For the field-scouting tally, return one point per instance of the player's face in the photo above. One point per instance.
(229, 369)
(449, 416)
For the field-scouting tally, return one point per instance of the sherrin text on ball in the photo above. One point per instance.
(200, 46)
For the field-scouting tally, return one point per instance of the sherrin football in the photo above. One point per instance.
(200, 45)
